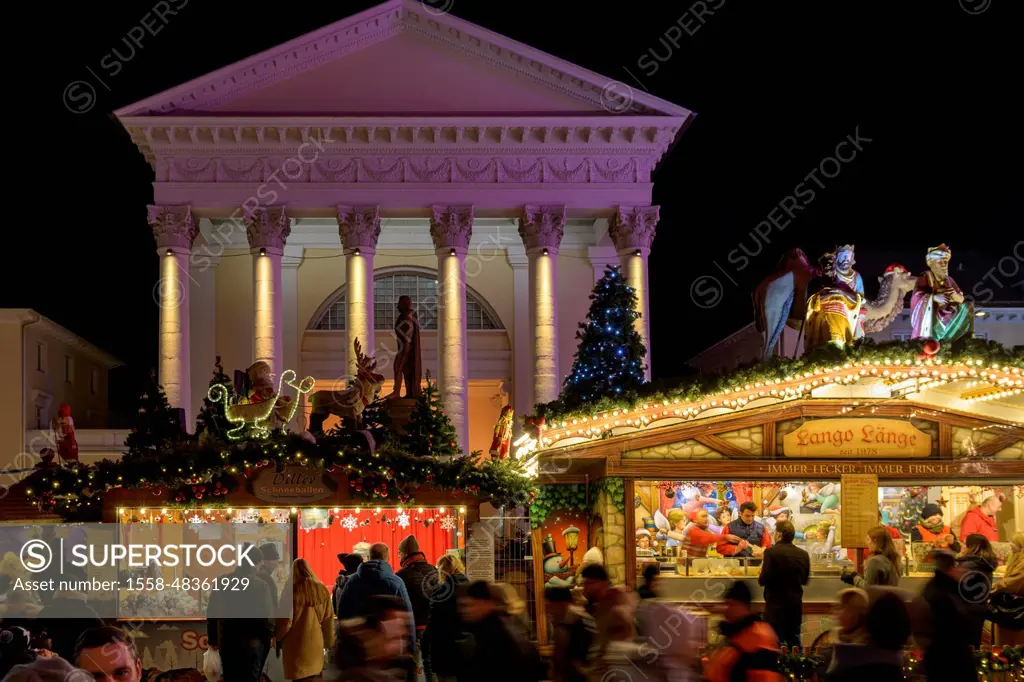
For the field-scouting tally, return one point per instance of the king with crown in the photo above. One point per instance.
(845, 275)
(938, 308)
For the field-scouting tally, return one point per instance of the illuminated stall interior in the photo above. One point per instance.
(321, 534)
(666, 508)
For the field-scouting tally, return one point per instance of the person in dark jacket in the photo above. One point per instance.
(649, 588)
(349, 565)
(944, 625)
(881, 658)
(785, 571)
(67, 616)
(978, 563)
(575, 632)
(752, 653)
(501, 651)
(244, 640)
(374, 577)
(420, 579)
(445, 639)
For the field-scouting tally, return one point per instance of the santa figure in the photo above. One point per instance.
(63, 429)
(502, 433)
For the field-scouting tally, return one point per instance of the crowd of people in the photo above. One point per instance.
(429, 622)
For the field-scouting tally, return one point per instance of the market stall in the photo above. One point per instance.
(834, 446)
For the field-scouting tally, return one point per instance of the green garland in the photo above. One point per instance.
(615, 489)
(196, 471)
(988, 352)
(551, 498)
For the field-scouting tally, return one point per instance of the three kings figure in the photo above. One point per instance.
(938, 308)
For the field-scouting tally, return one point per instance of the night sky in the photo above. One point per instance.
(928, 88)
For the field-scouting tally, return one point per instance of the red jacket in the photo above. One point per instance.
(726, 548)
(851, 554)
(754, 648)
(977, 521)
(698, 539)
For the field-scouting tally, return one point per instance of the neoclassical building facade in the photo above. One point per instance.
(300, 192)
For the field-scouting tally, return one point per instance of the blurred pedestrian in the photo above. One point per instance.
(310, 631)
(978, 563)
(851, 615)
(501, 652)
(375, 647)
(349, 565)
(648, 589)
(1006, 607)
(47, 669)
(575, 632)
(667, 647)
(419, 578)
(945, 625)
(240, 623)
(883, 565)
(445, 642)
(785, 571)
(512, 604)
(880, 657)
(374, 577)
(606, 604)
(15, 648)
(752, 653)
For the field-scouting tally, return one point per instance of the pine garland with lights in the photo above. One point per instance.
(430, 430)
(610, 356)
(157, 428)
(186, 471)
(778, 368)
(549, 498)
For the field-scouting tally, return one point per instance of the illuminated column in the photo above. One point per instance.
(451, 228)
(359, 228)
(175, 230)
(541, 228)
(632, 231)
(268, 229)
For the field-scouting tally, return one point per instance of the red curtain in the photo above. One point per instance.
(321, 546)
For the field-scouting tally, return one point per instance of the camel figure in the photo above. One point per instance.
(350, 402)
(833, 311)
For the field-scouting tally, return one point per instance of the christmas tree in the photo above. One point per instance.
(610, 357)
(909, 514)
(157, 426)
(430, 431)
(211, 419)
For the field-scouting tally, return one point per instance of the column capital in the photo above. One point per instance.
(174, 227)
(451, 227)
(358, 227)
(542, 227)
(632, 227)
(268, 227)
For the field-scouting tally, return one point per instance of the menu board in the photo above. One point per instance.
(859, 507)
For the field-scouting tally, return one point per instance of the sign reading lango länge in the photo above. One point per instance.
(852, 437)
(293, 485)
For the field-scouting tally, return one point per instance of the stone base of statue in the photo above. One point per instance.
(400, 411)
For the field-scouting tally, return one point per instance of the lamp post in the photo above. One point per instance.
(572, 541)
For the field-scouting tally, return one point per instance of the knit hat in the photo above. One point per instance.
(643, 531)
(409, 545)
(351, 562)
(47, 670)
(593, 556)
(931, 509)
(739, 591)
(268, 552)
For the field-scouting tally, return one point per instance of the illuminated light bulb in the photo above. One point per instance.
(142, 511)
(294, 510)
(462, 510)
(358, 510)
(273, 510)
(120, 511)
(441, 510)
(229, 510)
(377, 510)
(251, 510)
(206, 511)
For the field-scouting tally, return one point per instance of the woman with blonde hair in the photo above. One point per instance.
(1006, 609)
(445, 642)
(310, 630)
(510, 603)
(882, 567)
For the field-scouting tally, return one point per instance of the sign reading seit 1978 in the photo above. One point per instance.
(853, 437)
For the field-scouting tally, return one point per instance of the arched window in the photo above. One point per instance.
(422, 289)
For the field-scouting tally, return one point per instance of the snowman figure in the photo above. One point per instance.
(556, 567)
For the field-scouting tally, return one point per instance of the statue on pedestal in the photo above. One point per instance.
(938, 308)
(408, 365)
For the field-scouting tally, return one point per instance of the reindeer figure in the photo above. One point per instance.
(349, 403)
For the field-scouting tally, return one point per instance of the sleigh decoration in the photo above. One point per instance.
(258, 418)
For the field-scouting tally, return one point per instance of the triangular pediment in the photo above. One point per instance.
(400, 59)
